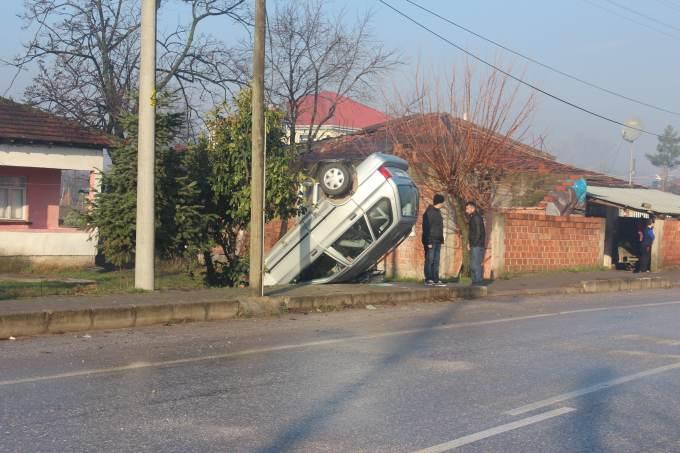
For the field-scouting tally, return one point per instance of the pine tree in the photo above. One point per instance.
(667, 155)
(180, 226)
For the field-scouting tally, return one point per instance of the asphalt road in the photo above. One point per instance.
(582, 373)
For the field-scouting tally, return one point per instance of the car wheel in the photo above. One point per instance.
(335, 179)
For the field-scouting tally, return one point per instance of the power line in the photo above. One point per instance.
(511, 76)
(642, 24)
(546, 66)
(669, 4)
(643, 15)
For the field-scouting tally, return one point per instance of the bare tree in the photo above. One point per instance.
(459, 135)
(310, 51)
(87, 52)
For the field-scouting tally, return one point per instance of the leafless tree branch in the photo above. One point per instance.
(87, 53)
(310, 52)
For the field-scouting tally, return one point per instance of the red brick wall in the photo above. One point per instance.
(670, 246)
(272, 231)
(535, 242)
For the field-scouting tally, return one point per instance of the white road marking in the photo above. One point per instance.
(321, 343)
(465, 440)
(656, 340)
(593, 388)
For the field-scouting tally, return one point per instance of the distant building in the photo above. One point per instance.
(36, 150)
(344, 116)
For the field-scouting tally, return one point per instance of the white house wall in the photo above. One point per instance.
(45, 243)
(60, 157)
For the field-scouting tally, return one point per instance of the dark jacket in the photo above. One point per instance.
(433, 226)
(477, 231)
(648, 237)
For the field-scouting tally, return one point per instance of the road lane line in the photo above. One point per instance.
(465, 440)
(591, 389)
(320, 343)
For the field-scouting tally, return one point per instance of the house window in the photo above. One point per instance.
(304, 138)
(12, 197)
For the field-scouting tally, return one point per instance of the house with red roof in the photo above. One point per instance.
(333, 115)
(528, 229)
(36, 149)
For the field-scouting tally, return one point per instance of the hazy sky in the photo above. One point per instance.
(591, 39)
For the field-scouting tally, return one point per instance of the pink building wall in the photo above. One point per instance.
(43, 193)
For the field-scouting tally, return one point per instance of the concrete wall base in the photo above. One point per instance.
(27, 263)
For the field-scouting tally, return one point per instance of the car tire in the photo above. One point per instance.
(335, 179)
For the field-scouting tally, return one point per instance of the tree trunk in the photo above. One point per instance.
(284, 228)
(464, 229)
(210, 275)
(291, 139)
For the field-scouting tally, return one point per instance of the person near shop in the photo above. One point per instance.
(647, 242)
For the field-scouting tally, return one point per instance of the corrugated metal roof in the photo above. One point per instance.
(633, 198)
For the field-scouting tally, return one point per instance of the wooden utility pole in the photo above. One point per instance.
(146, 161)
(258, 157)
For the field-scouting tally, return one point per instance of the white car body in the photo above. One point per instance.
(339, 241)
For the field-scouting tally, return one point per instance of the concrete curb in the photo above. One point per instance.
(129, 316)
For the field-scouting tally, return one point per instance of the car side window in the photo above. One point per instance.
(355, 240)
(380, 217)
(323, 267)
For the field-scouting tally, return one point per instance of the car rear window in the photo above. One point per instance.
(398, 172)
(408, 198)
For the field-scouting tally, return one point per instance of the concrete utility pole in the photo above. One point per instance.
(144, 255)
(258, 141)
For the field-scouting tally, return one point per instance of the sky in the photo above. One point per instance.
(625, 46)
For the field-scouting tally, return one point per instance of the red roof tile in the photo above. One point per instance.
(23, 123)
(348, 113)
(385, 137)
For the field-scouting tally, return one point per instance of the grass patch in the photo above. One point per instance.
(168, 276)
(576, 269)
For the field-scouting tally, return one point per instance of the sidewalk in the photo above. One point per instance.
(56, 314)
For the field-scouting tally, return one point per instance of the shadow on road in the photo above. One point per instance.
(593, 420)
(324, 410)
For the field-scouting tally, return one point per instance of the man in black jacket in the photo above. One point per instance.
(433, 236)
(477, 242)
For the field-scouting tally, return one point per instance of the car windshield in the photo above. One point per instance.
(380, 217)
(408, 197)
(355, 240)
(323, 267)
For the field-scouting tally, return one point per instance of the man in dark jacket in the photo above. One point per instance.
(647, 241)
(477, 242)
(433, 236)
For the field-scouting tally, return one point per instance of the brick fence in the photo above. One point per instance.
(518, 242)
(535, 242)
(670, 247)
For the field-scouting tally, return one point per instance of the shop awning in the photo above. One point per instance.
(643, 200)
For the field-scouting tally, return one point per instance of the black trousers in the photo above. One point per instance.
(645, 258)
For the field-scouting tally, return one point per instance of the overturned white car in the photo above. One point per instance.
(338, 240)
